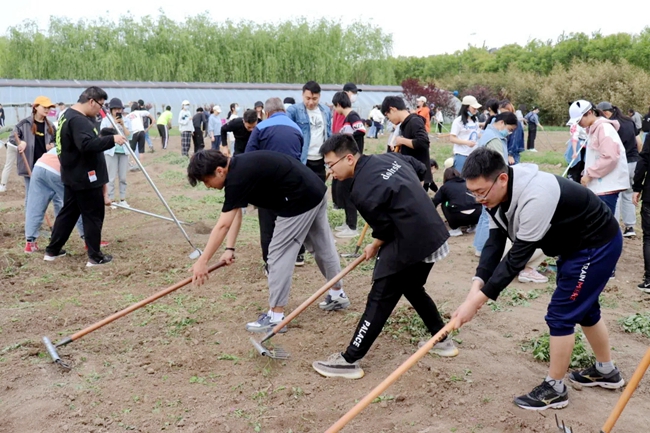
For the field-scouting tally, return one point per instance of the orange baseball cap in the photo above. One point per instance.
(43, 101)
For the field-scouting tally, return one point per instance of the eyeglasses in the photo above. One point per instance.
(329, 166)
(483, 197)
(97, 102)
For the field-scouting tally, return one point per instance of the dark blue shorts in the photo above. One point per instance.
(581, 277)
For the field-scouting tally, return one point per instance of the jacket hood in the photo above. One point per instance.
(601, 121)
(490, 134)
(522, 175)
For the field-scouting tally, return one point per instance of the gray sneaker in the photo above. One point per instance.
(329, 304)
(445, 348)
(337, 366)
(263, 324)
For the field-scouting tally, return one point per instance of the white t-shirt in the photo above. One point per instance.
(317, 132)
(464, 132)
(135, 120)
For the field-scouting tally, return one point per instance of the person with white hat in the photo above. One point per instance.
(186, 127)
(423, 110)
(214, 128)
(465, 131)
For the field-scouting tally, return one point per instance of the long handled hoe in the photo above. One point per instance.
(359, 242)
(278, 353)
(51, 348)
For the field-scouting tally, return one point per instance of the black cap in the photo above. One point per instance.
(115, 103)
(605, 106)
(259, 104)
(351, 87)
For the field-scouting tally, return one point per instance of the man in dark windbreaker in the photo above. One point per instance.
(534, 210)
(409, 238)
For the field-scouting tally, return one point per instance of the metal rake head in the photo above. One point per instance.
(274, 353)
(562, 427)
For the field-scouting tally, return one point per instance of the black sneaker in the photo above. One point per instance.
(644, 286)
(300, 260)
(592, 377)
(542, 397)
(104, 261)
(629, 232)
(50, 257)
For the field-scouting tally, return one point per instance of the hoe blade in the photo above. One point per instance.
(275, 353)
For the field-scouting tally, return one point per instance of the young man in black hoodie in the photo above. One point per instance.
(413, 139)
(84, 174)
(409, 238)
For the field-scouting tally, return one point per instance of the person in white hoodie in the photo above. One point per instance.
(606, 172)
(186, 127)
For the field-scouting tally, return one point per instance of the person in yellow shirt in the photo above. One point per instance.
(164, 124)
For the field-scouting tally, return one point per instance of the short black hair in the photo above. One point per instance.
(250, 116)
(312, 86)
(340, 144)
(342, 100)
(434, 164)
(168, 108)
(507, 117)
(199, 110)
(93, 92)
(289, 100)
(394, 102)
(105, 132)
(203, 164)
(484, 162)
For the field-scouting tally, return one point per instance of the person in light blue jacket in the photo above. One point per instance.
(315, 121)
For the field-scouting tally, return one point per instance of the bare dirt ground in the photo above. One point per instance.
(185, 362)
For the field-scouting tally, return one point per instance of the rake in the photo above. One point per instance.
(279, 353)
(51, 348)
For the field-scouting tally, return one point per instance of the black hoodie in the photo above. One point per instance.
(413, 127)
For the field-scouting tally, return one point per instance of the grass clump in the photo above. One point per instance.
(540, 348)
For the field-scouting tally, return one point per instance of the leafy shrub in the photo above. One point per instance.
(540, 348)
(638, 323)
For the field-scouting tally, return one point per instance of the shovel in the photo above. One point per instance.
(279, 353)
(359, 242)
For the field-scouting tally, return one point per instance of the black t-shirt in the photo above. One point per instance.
(239, 131)
(272, 180)
(352, 124)
(39, 140)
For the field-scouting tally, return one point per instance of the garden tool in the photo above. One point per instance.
(359, 242)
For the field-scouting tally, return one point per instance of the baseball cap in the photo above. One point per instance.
(605, 106)
(216, 108)
(351, 87)
(449, 162)
(421, 99)
(115, 103)
(43, 101)
(471, 101)
(577, 110)
(259, 104)
(186, 102)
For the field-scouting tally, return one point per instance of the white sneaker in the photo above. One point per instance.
(347, 233)
(3, 188)
(446, 348)
(471, 229)
(456, 232)
(531, 276)
(477, 253)
(124, 203)
(113, 207)
(532, 150)
(341, 228)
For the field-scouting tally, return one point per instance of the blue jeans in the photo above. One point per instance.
(482, 230)
(516, 157)
(372, 132)
(610, 200)
(147, 139)
(45, 186)
(459, 162)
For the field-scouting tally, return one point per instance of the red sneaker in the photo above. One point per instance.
(101, 244)
(31, 247)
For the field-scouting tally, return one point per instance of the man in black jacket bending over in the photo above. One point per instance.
(409, 238)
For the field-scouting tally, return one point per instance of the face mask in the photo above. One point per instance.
(236, 109)
(504, 133)
(353, 98)
(469, 113)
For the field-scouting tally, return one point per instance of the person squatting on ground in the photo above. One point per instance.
(523, 202)
(409, 238)
(641, 189)
(282, 184)
(36, 137)
(354, 126)
(465, 131)
(279, 134)
(241, 128)
(164, 124)
(627, 132)
(117, 159)
(185, 127)
(84, 175)
(459, 208)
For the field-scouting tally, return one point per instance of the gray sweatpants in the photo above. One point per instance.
(311, 229)
(117, 166)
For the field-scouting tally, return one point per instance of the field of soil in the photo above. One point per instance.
(185, 363)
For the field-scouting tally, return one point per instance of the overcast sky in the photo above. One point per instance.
(419, 28)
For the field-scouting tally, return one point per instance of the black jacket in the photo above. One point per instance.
(387, 193)
(413, 127)
(81, 151)
(641, 180)
(627, 132)
(453, 195)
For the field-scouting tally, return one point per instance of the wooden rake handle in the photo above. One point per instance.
(133, 307)
(315, 296)
(629, 389)
(376, 392)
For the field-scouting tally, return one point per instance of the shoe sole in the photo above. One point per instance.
(644, 290)
(340, 236)
(300, 264)
(334, 307)
(530, 280)
(606, 385)
(445, 354)
(265, 330)
(52, 258)
(356, 375)
(629, 235)
(455, 235)
(92, 265)
(559, 405)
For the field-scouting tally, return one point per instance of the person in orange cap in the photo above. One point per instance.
(33, 135)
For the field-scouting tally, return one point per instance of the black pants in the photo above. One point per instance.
(532, 134)
(267, 219)
(164, 136)
(89, 203)
(458, 219)
(344, 191)
(382, 299)
(335, 193)
(318, 167)
(137, 141)
(197, 139)
(645, 225)
(439, 128)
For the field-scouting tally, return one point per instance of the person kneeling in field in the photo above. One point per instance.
(540, 210)
(409, 238)
(282, 184)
